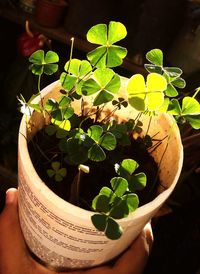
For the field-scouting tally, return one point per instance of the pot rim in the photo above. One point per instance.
(80, 212)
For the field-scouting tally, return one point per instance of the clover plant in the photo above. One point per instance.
(81, 144)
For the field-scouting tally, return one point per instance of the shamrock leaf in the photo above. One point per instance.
(107, 54)
(149, 96)
(44, 63)
(155, 56)
(127, 167)
(107, 224)
(60, 110)
(56, 171)
(104, 82)
(100, 141)
(190, 106)
(119, 185)
(190, 111)
(171, 74)
(76, 70)
(77, 152)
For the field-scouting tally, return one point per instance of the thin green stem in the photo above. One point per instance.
(71, 53)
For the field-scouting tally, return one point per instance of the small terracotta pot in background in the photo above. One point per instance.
(49, 13)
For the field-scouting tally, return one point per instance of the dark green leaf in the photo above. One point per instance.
(99, 221)
(63, 145)
(58, 178)
(62, 172)
(37, 69)
(95, 132)
(179, 83)
(55, 165)
(125, 140)
(137, 182)
(113, 229)
(132, 201)
(119, 185)
(37, 57)
(51, 172)
(128, 166)
(108, 141)
(57, 116)
(173, 71)
(77, 152)
(50, 69)
(90, 87)
(50, 130)
(194, 121)
(171, 91)
(96, 153)
(121, 210)
(152, 68)
(106, 191)
(102, 98)
(101, 203)
(61, 133)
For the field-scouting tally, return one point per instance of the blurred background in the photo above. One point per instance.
(171, 25)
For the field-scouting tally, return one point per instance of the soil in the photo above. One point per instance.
(100, 172)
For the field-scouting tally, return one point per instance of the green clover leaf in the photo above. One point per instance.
(149, 96)
(190, 111)
(119, 185)
(44, 63)
(104, 82)
(76, 70)
(107, 54)
(108, 225)
(56, 171)
(100, 140)
(155, 56)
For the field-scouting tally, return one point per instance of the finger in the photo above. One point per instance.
(134, 259)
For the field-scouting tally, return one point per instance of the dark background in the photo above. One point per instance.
(171, 25)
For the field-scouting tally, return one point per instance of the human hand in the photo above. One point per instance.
(15, 258)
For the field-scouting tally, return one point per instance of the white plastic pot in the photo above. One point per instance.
(62, 235)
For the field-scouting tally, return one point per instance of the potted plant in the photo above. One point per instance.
(80, 134)
(49, 13)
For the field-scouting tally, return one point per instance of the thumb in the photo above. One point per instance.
(11, 238)
(134, 259)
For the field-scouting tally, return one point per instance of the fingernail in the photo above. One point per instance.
(148, 235)
(10, 195)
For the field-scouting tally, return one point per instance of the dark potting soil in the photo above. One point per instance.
(100, 172)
